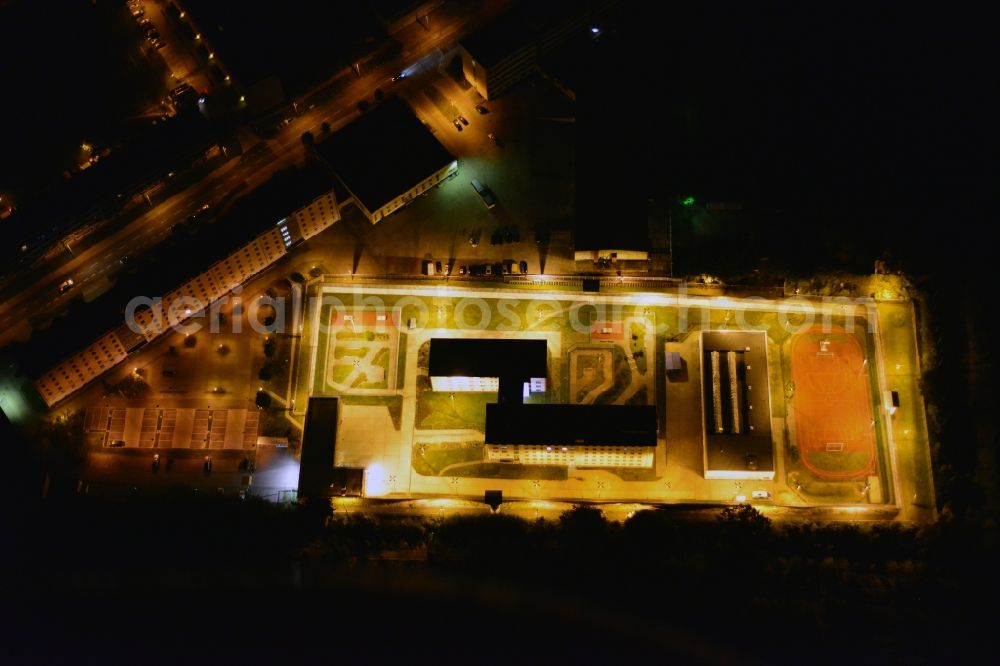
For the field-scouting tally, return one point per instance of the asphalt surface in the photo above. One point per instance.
(35, 291)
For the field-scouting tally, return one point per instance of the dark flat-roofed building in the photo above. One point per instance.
(386, 158)
(578, 435)
(737, 409)
(509, 366)
(506, 51)
(319, 441)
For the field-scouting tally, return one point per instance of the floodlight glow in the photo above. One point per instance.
(375, 480)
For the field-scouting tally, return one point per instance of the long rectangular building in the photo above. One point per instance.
(479, 364)
(314, 209)
(319, 441)
(571, 435)
(737, 406)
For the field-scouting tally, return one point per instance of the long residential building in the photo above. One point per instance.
(190, 298)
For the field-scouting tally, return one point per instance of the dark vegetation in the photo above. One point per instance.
(661, 583)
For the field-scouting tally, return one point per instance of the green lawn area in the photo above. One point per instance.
(430, 459)
(638, 398)
(437, 411)
(401, 361)
(588, 364)
(509, 471)
(630, 473)
(838, 461)
(341, 351)
(637, 345)
(341, 372)
(623, 377)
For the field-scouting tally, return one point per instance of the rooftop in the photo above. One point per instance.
(571, 425)
(488, 357)
(319, 439)
(728, 452)
(384, 153)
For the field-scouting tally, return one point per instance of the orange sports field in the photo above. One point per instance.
(832, 403)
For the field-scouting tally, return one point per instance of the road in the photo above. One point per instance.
(35, 292)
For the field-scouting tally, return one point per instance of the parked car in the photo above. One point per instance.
(457, 124)
(488, 270)
(462, 270)
(159, 44)
(116, 443)
(524, 267)
(463, 120)
(437, 267)
(499, 269)
(482, 110)
(66, 285)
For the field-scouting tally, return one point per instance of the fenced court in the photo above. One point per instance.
(833, 409)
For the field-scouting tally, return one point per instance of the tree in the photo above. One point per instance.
(263, 400)
(379, 95)
(363, 105)
(325, 127)
(308, 140)
(266, 372)
(745, 519)
(63, 443)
